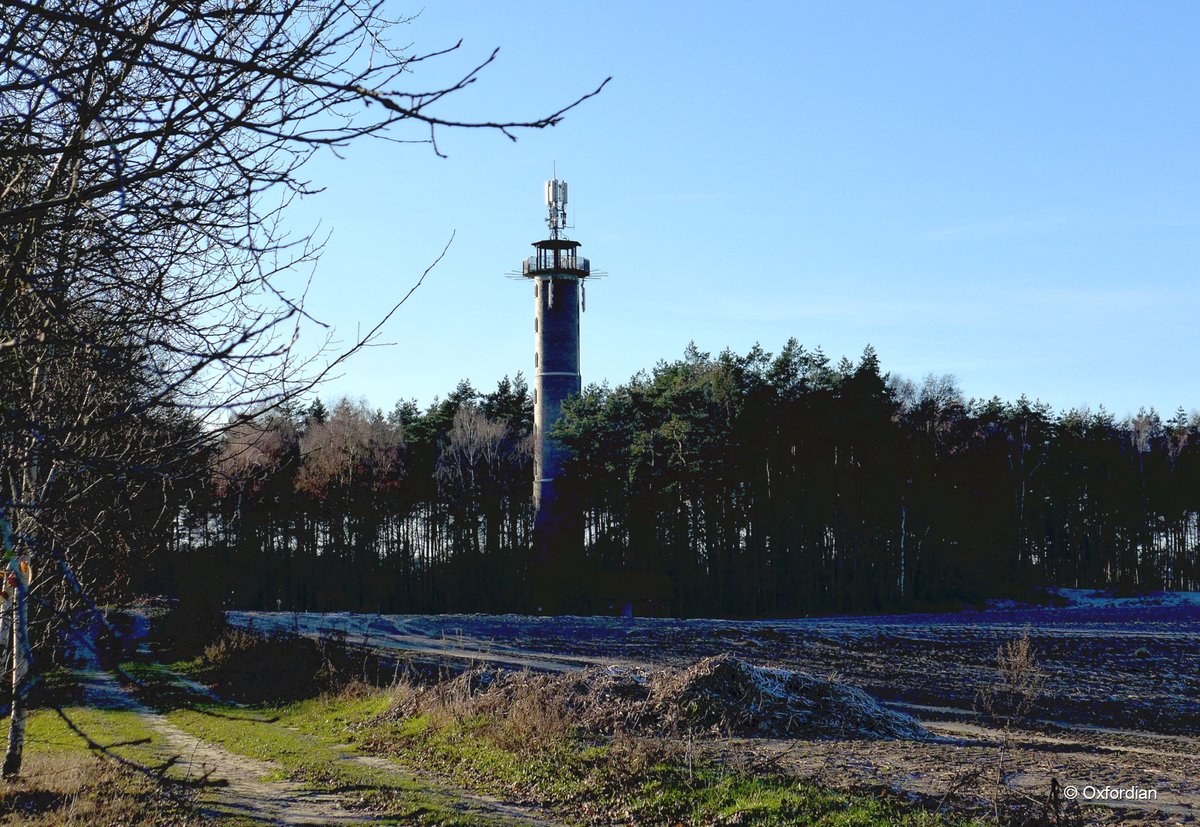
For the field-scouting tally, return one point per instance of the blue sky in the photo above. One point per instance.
(1007, 192)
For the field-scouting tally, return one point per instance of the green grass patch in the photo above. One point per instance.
(302, 737)
(309, 740)
(639, 781)
(465, 752)
(67, 783)
(712, 796)
(121, 732)
(57, 686)
(161, 686)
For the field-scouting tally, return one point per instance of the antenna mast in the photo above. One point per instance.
(556, 201)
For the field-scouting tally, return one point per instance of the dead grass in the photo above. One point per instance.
(609, 747)
(717, 696)
(80, 790)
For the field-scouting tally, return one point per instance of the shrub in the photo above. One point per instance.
(196, 622)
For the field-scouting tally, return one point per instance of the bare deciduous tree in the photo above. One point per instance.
(148, 152)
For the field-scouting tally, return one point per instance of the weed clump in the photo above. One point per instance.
(1014, 693)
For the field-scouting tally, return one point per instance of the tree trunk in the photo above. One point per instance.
(18, 580)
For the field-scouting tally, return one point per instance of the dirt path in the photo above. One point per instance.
(235, 784)
(245, 787)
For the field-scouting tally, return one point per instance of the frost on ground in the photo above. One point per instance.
(720, 695)
(1128, 665)
(1120, 703)
(1104, 599)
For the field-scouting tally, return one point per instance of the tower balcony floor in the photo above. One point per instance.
(581, 268)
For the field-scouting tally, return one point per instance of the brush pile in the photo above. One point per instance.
(720, 695)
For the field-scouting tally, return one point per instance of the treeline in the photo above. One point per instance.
(351, 509)
(738, 485)
(759, 486)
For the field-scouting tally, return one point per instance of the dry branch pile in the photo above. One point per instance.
(721, 695)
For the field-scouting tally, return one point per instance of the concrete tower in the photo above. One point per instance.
(558, 273)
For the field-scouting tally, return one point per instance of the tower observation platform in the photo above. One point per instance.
(558, 274)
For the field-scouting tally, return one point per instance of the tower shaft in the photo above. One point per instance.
(558, 273)
(556, 376)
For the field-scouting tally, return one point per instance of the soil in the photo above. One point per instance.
(1119, 707)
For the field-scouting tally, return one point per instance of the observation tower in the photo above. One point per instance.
(558, 274)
